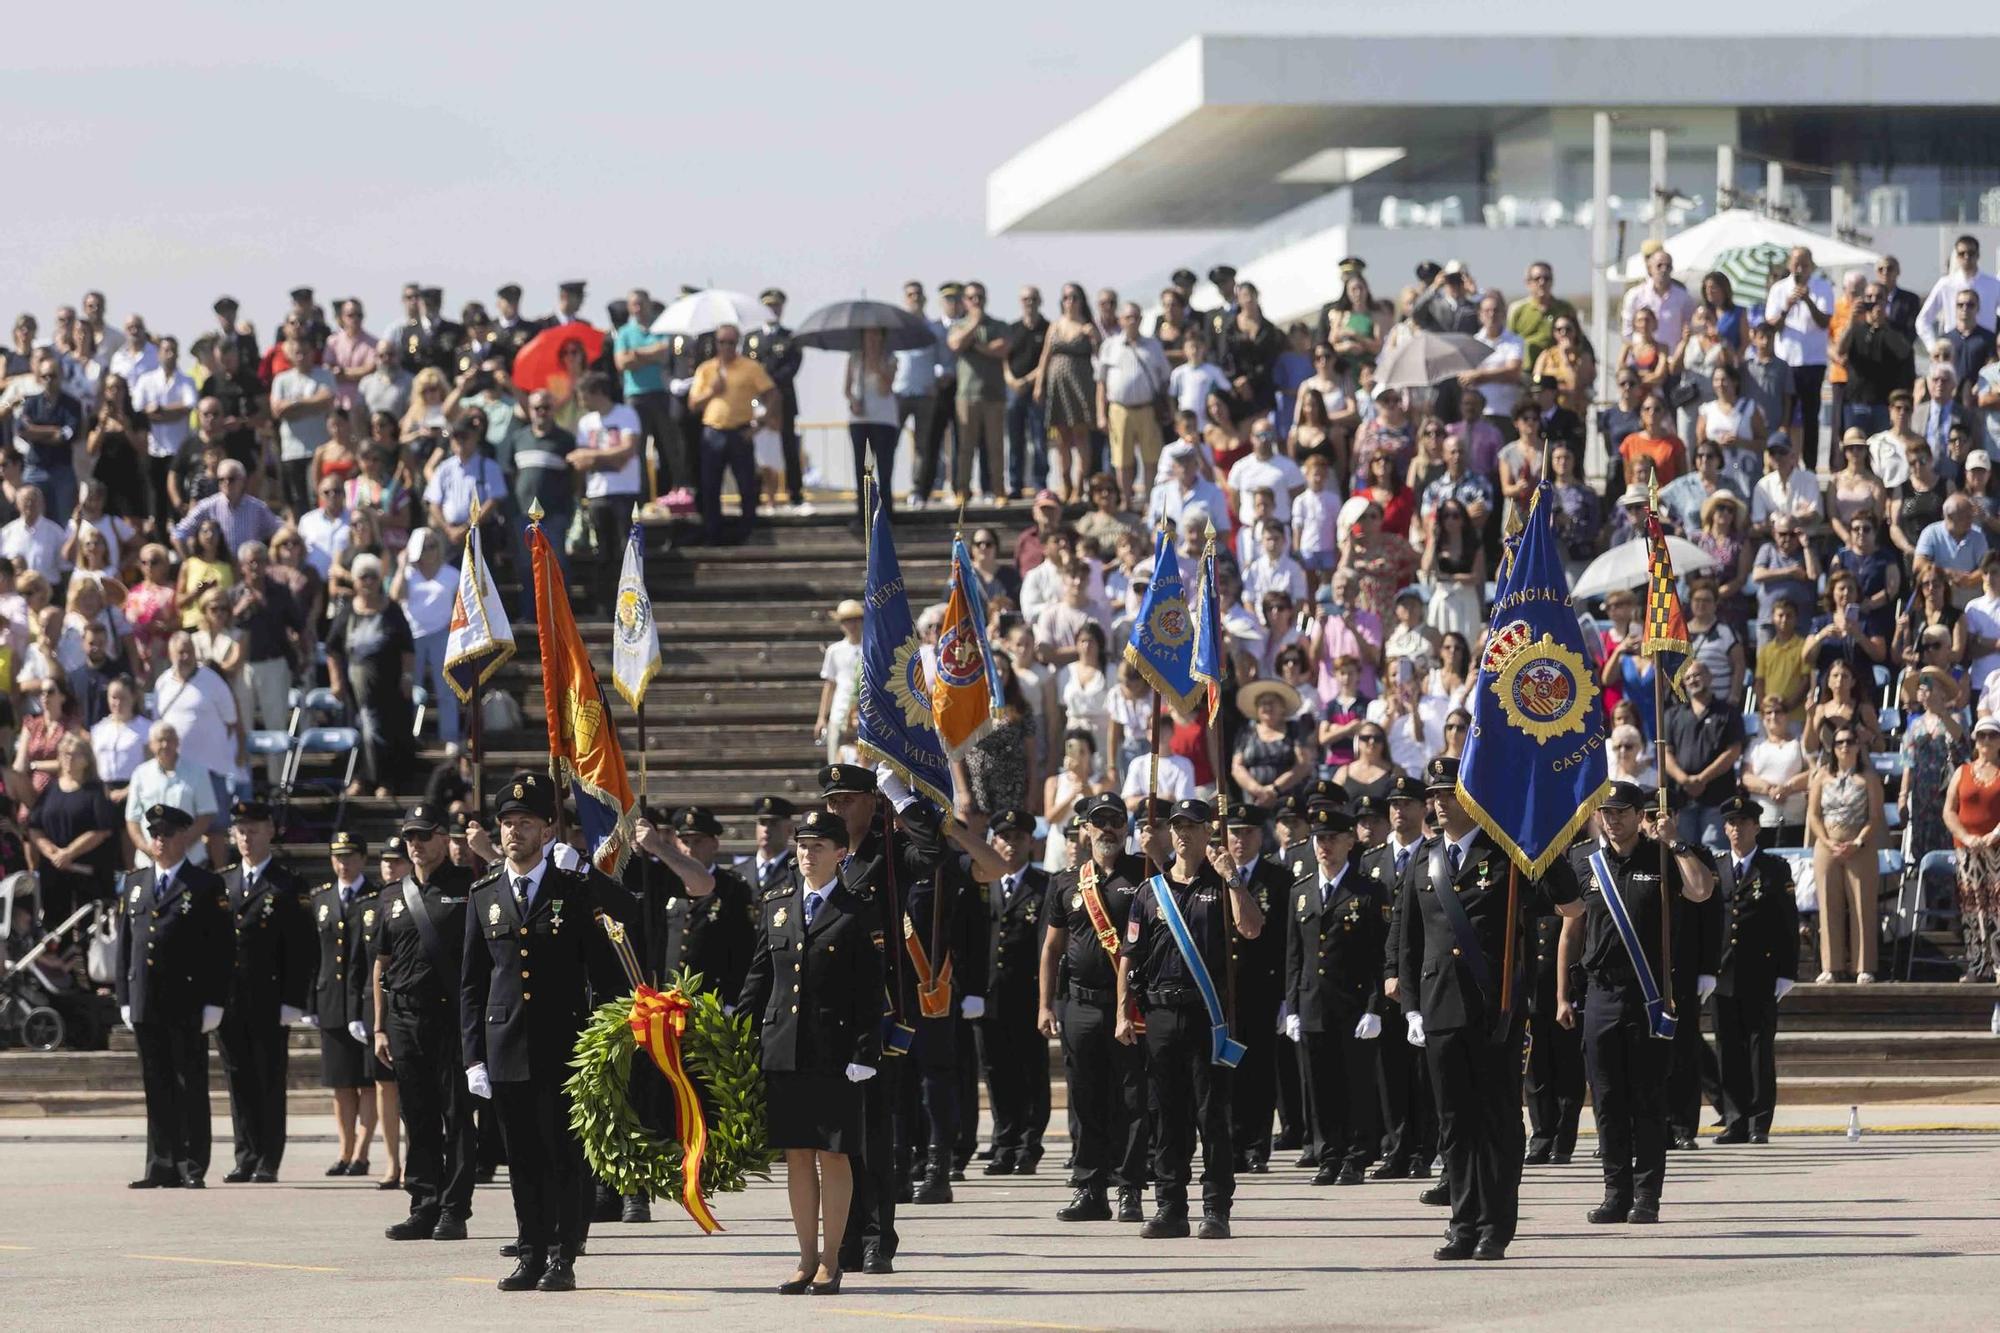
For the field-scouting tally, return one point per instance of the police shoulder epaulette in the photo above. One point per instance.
(322, 888)
(772, 895)
(492, 876)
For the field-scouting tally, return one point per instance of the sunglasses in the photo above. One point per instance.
(1370, 740)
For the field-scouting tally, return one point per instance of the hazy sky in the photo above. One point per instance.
(166, 153)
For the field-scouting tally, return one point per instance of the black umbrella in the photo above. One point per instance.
(838, 327)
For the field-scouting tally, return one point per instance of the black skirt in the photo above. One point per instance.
(819, 1111)
(347, 1063)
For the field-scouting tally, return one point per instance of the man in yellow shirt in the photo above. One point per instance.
(732, 394)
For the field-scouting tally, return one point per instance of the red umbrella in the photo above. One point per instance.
(539, 364)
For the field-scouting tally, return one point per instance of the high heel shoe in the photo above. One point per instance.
(830, 1287)
(358, 1167)
(796, 1286)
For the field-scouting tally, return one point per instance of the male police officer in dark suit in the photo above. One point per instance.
(275, 960)
(446, 338)
(1448, 981)
(1260, 990)
(770, 346)
(711, 931)
(512, 332)
(1409, 1113)
(419, 948)
(1293, 853)
(1336, 927)
(523, 998)
(1555, 1056)
(1760, 962)
(174, 968)
(770, 866)
(940, 952)
(1624, 1059)
(1016, 1053)
(1107, 1078)
(1215, 323)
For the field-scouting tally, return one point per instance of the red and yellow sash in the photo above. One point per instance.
(933, 992)
(1100, 925)
(659, 1021)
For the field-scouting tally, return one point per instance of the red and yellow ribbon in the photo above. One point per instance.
(659, 1021)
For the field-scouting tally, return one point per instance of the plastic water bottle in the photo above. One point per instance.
(1854, 1124)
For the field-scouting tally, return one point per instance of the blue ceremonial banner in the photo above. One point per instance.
(1206, 666)
(1162, 642)
(1534, 768)
(895, 706)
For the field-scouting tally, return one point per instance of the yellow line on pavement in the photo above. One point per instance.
(853, 1313)
(16, 1247)
(232, 1263)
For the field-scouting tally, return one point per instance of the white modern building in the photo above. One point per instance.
(1479, 148)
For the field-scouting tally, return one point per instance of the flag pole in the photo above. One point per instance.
(541, 604)
(1665, 839)
(1152, 783)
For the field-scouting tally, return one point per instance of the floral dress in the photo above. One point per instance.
(149, 608)
(1932, 755)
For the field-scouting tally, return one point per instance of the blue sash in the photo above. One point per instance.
(1223, 1050)
(1658, 1019)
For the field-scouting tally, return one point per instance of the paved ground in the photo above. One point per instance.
(1896, 1231)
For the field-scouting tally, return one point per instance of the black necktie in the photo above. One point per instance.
(1402, 860)
(1743, 872)
(164, 883)
(521, 887)
(1457, 856)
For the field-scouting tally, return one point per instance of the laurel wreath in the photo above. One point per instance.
(721, 1054)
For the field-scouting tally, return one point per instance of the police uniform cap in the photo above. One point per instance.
(1156, 808)
(1191, 812)
(698, 819)
(302, 294)
(1326, 821)
(1292, 805)
(772, 295)
(527, 793)
(163, 818)
(846, 777)
(250, 809)
(775, 807)
(1222, 273)
(1371, 805)
(952, 289)
(459, 824)
(571, 288)
(1012, 821)
(1353, 264)
(345, 843)
(1740, 806)
(1106, 811)
(394, 849)
(1183, 277)
(1405, 788)
(421, 818)
(1441, 774)
(435, 294)
(224, 303)
(1244, 815)
(1623, 796)
(511, 292)
(1325, 791)
(823, 824)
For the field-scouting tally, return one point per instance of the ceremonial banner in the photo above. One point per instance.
(1162, 643)
(1206, 666)
(583, 741)
(1533, 770)
(1666, 626)
(481, 638)
(635, 639)
(966, 694)
(896, 728)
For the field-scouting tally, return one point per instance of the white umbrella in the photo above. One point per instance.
(1627, 566)
(707, 311)
(1708, 243)
(1424, 358)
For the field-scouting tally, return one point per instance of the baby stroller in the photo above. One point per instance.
(40, 1000)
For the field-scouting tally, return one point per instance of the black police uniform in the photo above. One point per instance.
(687, 352)
(174, 960)
(1409, 1110)
(945, 915)
(1335, 932)
(1293, 1126)
(275, 959)
(1191, 1091)
(776, 873)
(1016, 1054)
(1107, 1079)
(1473, 1051)
(771, 347)
(1691, 1065)
(1260, 992)
(1555, 1054)
(419, 940)
(1760, 947)
(714, 935)
(341, 924)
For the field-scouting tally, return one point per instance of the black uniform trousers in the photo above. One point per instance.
(1289, 1072)
(972, 1058)
(1253, 1092)
(1409, 1110)
(871, 1218)
(927, 1120)
(1192, 1092)
(1477, 1082)
(1746, 1030)
(441, 1144)
(1690, 1064)
(1340, 1068)
(1627, 1066)
(173, 1062)
(1555, 1084)
(1017, 1074)
(1107, 1095)
(255, 1057)
(545, 1168)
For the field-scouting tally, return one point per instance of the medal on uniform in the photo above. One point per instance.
(555, 916)
(396, 908)
(492, 914)
(138, 893)
(1075, 901)
(778, 919)
(1302, 902)
(187, 904)
(1029, 913)
(368, 919)
(324, 908)
(1376, 870)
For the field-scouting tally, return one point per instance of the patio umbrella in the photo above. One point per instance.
(1625, 566)
(540, 359)
(1750, 269)
(838, 327)
(1421, 361)
(707, 311)
(1703, 246)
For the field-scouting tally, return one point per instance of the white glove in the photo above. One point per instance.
(566, 857)
(125, 1016)
(1369, 1028)
(892, 786)
(211, 1017)
(288, 1014)
(310, 1020)
(1293, 1029)
(1415, 1025)
(1780, 987)
(476, 1081)
(1704, 986)
(679, 387)
(358, 1030)
(972, 1006)
(859, 1073)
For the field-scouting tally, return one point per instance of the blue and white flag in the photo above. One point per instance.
(481, 637)
(635, 639)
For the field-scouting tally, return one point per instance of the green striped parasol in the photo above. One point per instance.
(1751, 269)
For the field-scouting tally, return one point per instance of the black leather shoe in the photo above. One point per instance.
(1437, 1196)
(1538, 1156)
(358, 1168)
(830, 1287)
(637, 1209)
(1326, 1175)
(192, 1183)
(1027, 1163)
(1129, 1209)
(237, 1177)
(1307, 1158)
(511, 1250)
(1644, 1213)
(876, 1262)
(1166, 1224)
(155, 1183)
(795, 1286)
(560, 1275)
(1390, 1170)
(1349, 1175)
(935, 1189)
(905, 1191)
(1420, 1169)
(414, 1227)
(263, 1177)
(1489, 1250)
(1760, 1137)
(1453, 1250)
(449, 1228)
(1000, 1166)
(1731, 1136)
(1610, 1211)
(1214, 1226)
(1684, 1143)
(528, 1270)
(606, 1206)
(393, 1183)
(1086, 1205)
(1559, 1159)
(1260, 1163)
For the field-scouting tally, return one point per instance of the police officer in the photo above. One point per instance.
(1409, 1114)
(419, 948)
(446, 337)
(174, 967)
(1448, 981)
(1555, 1055)
(1624, 1060)
(1259, 971)
(1183, 1066)
(569, 304)
(342, 911)
(770, 345)
(1760, 962)
(275, 958)
(699, 914)
(1294, 854)
(940, 954)
(511, 332)
(1336, 928)
(770, 865)
(523, 998)
(1085, 918)
(1016, 1055)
